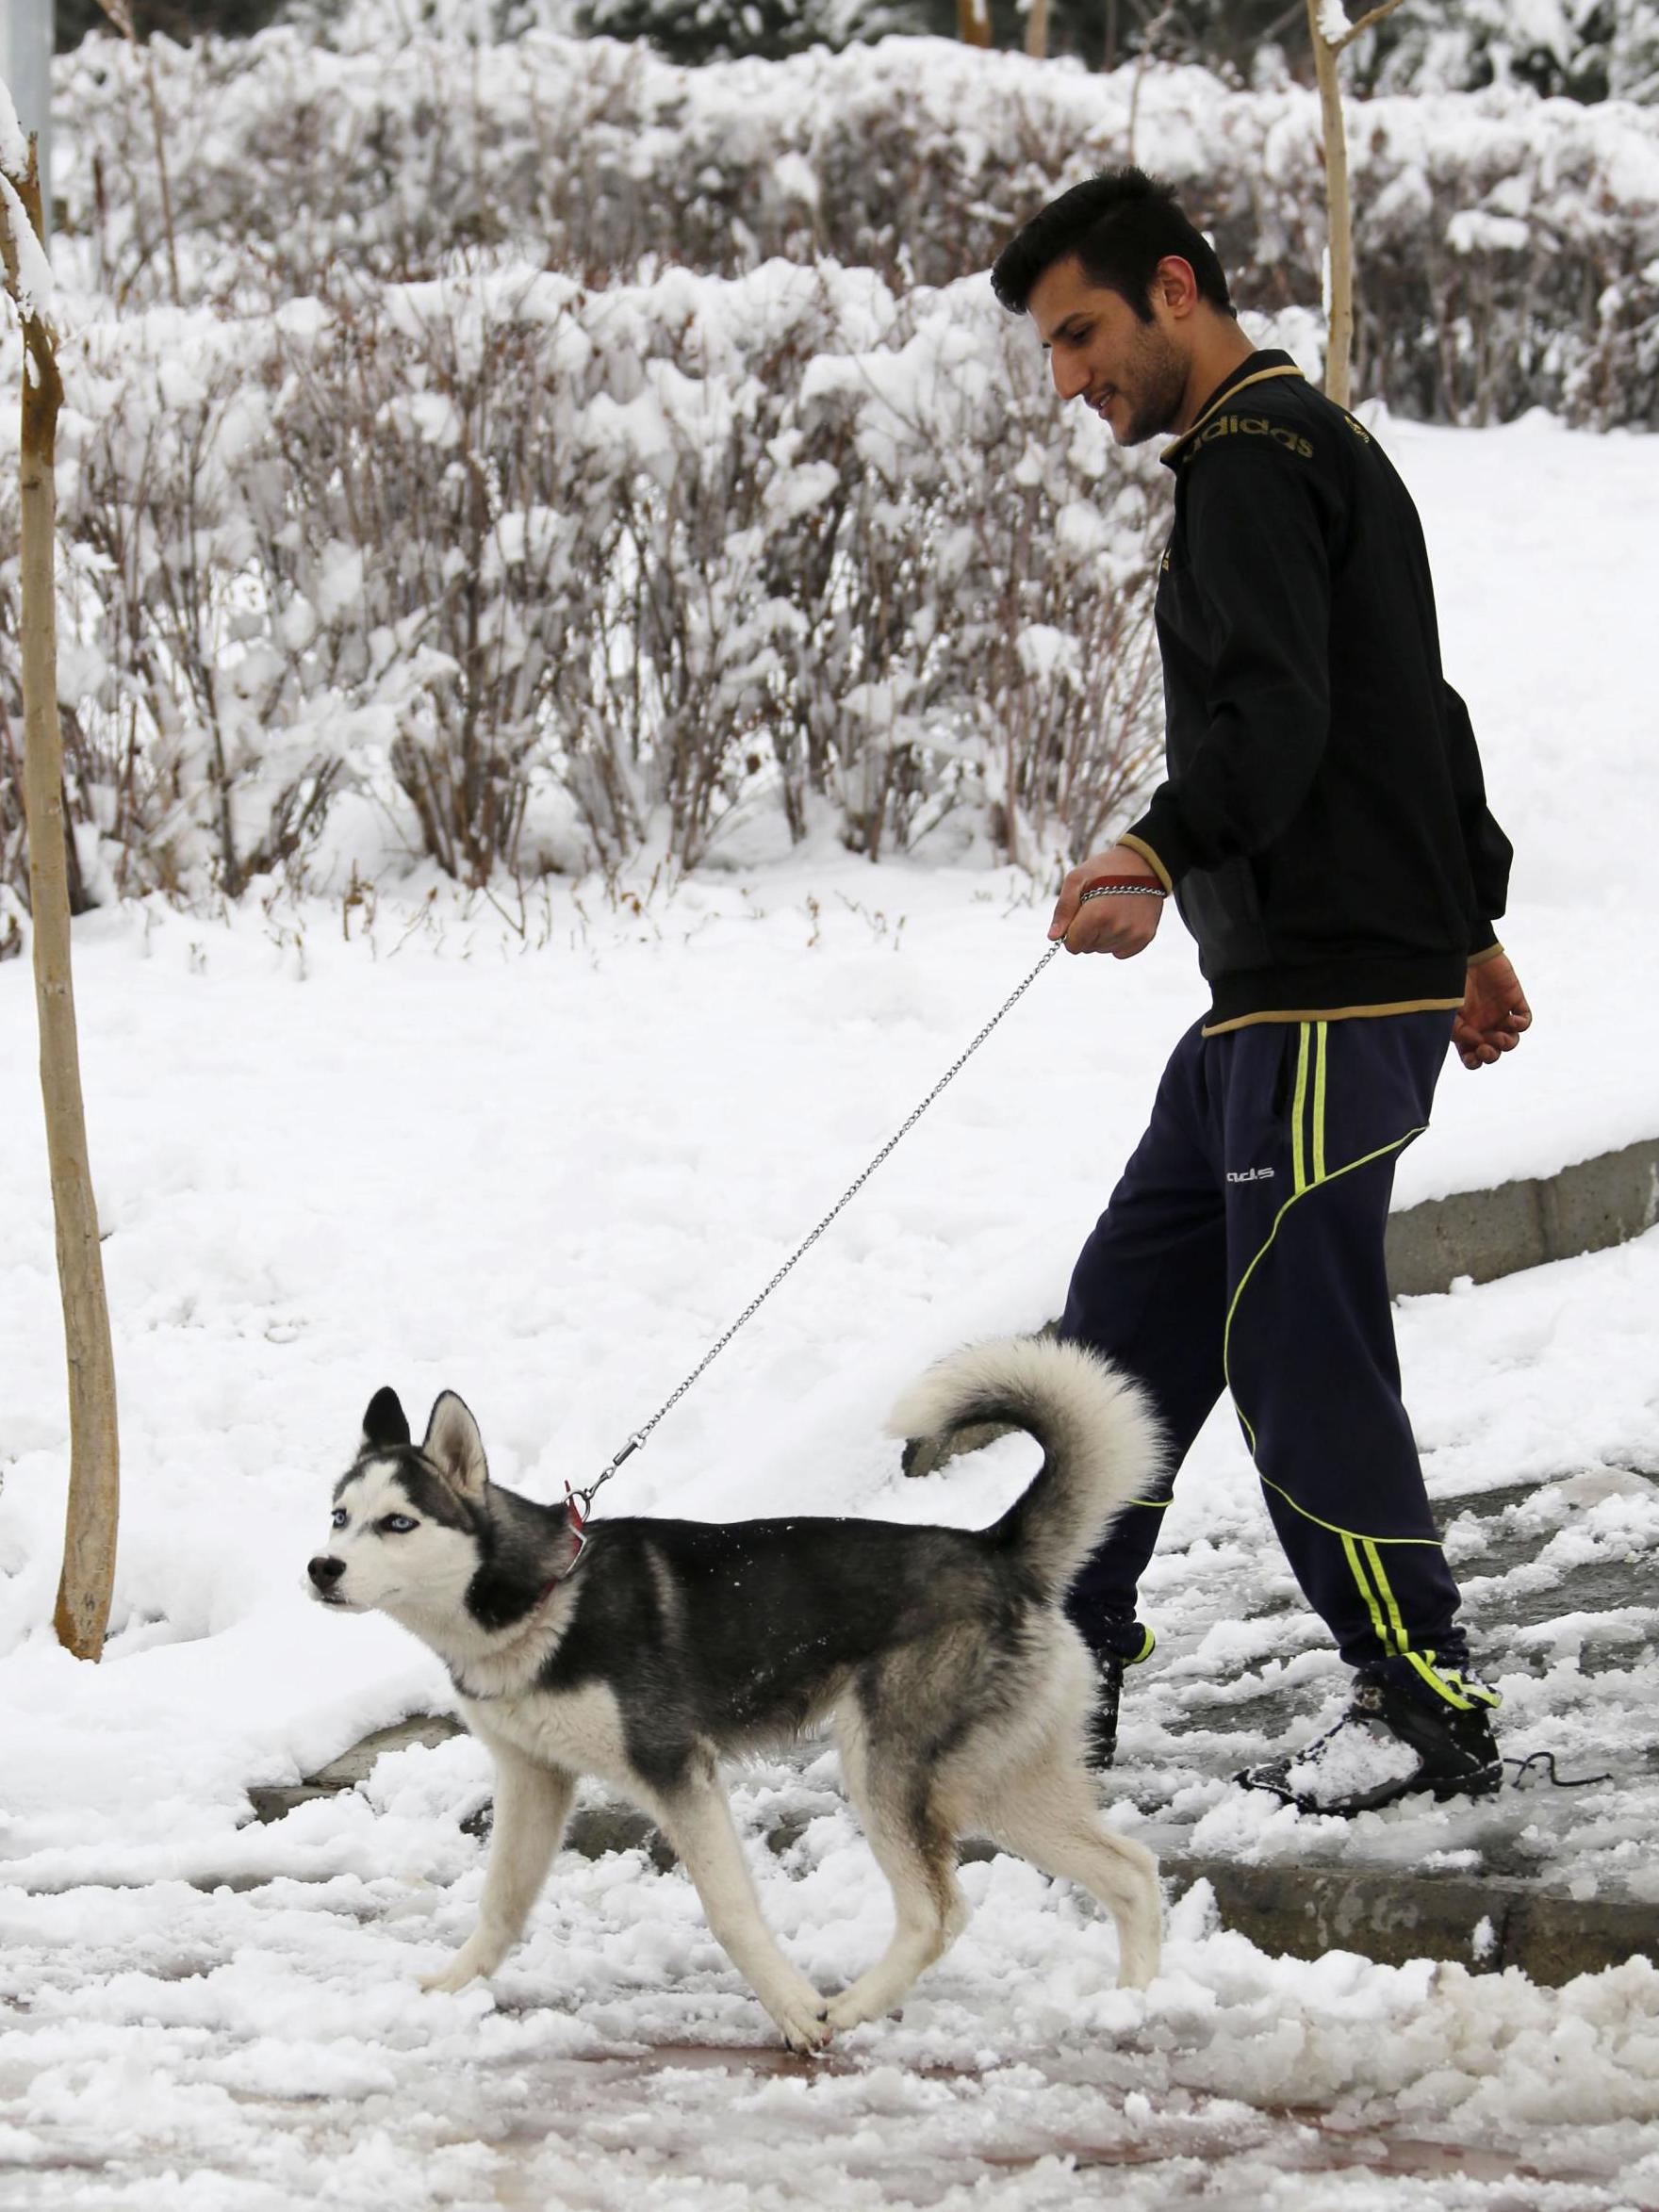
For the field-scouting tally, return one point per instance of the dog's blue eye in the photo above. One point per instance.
(339, 1516)
(398, 1524)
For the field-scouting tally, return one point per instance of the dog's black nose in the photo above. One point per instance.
(325, 1573)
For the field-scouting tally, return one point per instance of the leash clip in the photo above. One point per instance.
(576, 1509)
(579, 1504)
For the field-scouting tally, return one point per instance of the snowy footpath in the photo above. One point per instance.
(544, 1157)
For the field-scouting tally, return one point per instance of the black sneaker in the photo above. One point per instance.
(1100, 1746)
(1395, 1737)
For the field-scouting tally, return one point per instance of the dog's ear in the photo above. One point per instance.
(385, 1424)
(454, 1447)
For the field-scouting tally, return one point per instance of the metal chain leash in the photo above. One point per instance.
(582, 1500)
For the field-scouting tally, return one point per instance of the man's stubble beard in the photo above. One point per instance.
(1160, 379)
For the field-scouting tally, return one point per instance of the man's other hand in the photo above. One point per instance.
(1494, 1013)
(1121, 927)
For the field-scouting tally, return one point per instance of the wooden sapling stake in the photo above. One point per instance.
(1330, 30)
(82, 1612)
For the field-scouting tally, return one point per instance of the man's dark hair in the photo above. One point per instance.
(1120, 225)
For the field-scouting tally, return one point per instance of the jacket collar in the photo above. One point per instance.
(1254, 369)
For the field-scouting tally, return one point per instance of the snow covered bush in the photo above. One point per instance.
(1586, 49)
(561, 454)
(1507, 245)
(552, 574)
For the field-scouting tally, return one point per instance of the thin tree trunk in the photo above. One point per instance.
(1037, 30)
(1338, 202)
(973, 21)
(94, 1483)
(1338, 212)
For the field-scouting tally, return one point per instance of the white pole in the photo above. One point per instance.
(27, 35)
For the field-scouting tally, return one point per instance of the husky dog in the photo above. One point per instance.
(654, 1648)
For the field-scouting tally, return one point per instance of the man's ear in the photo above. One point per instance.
(1175, 283)
(454, 1447)
(384, 1425)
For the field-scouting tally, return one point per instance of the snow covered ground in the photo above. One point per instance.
(411, 1143)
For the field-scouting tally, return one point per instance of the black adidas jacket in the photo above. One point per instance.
(1325, 823)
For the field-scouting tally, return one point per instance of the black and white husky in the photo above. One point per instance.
(645, 1655)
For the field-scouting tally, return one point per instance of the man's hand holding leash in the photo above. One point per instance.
(1110, 904)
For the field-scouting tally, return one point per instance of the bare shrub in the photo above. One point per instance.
(911, 159)
(557, 575)
(185, 722)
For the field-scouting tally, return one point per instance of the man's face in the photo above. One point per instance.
(1133, 374)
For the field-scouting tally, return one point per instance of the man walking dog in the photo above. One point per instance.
(1324, 832)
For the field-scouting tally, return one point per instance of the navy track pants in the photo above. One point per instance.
(1243, 1250)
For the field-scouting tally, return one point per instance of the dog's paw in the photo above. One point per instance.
(849, 2010)
(873, 1996)
(464, 1967)
(448, 1982)
(802, 2019)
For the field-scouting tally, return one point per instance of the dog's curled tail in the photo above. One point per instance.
(1100, 1440)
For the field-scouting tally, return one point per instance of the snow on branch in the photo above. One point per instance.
(1336, 29)
(14, 147)
(28, 273)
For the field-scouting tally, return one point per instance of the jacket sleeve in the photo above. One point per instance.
(1486, 848)
(1255, 534)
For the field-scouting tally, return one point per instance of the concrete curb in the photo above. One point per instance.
(1487, 1925)
(1485, 1233)
(1299, 1912)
